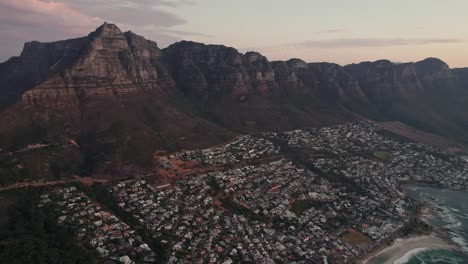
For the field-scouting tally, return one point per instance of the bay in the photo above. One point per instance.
(450, 215)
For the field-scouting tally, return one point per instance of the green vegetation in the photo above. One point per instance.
(394, 136)
(417, 227)
(53, 162)
(9, 171)
(300, 206)
(355, 237)
(382, 155)
(22, 135)
(30, 236)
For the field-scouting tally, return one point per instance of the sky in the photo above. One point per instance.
(340, 31)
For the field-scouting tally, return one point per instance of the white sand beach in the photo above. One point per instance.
(406, 247)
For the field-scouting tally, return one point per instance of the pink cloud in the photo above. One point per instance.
(45, 12)
(51, 20)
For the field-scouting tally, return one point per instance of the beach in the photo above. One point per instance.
(403, 248)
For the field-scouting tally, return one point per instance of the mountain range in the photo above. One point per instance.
(116, 98)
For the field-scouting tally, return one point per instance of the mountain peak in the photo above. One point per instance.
(297, 63)
(109, 26)
(432, 65)
(106, 30)
(433, 61)
(255, 57)
(108, 37)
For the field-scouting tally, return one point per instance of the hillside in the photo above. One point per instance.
(119, 98)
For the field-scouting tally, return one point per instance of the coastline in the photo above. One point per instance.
(403, 246)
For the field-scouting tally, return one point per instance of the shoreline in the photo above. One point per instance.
(403, 246)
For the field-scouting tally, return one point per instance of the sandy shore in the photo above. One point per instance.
(401, 247)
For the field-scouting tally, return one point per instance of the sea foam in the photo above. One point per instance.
(410, 254)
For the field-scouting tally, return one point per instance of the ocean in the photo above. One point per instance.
(450, 214)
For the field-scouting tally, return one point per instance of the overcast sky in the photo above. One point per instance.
(341, 31)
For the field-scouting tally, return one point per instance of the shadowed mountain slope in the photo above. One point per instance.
(120, 97)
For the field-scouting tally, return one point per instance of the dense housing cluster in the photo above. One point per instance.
(95, 227)
(358, 152)
(245, 147)
(198, 226)
(184, 219)
(329, 195)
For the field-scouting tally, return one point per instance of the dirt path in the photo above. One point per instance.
(84, 180)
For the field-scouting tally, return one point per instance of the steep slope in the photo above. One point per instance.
(114, 98)
(247, 92)
(35, 64)
(427, 95)
(121, 98)
(111, 63)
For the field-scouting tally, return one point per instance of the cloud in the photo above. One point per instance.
(165, 36)
(333, 31)
(27, 20)
(374, 42)
(37, 13)
(175, 3)
(352, 43)
(182, 33)
(143, 3)
(49, 20)
(131, 12)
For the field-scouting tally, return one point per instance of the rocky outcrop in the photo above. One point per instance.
(210, 72)
(426, 94)
(109, 63)
(337, 85)
(383, 81)
(286, 74)
(37, 62)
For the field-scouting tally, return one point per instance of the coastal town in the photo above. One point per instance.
(322, 195)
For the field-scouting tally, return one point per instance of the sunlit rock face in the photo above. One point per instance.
(106, 62)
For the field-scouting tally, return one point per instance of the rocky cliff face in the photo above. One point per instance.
(109, 63)
(384, 81)
(35, 64)
(121, 93)
(461, 76)
(426, 94)
(248, 92)
(336, 84)
(212, 71)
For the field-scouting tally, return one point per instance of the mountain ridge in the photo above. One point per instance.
(121, 97)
